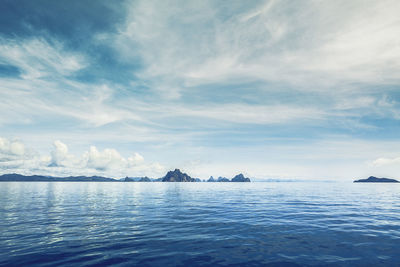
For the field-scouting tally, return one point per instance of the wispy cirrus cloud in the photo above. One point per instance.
(314, 46)
(37, 58)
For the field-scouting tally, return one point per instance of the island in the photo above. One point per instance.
(13, 177)
(238, 178)
(177, 176)
(136, 179)
(373, 179)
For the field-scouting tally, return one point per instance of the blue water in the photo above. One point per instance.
(199, 224)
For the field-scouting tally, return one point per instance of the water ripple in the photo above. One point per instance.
(200, 224)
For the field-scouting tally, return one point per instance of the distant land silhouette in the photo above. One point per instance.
(171, 176)
(42, 178)
(238, 178)
(373, 179)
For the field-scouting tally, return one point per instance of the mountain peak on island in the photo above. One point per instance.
(373, 179)
(177, 176)
(211, 179)
(240, 178)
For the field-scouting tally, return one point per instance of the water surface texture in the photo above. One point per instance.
(199, 224)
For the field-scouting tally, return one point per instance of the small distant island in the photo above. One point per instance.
(171, 176)
(237, 178)
(373, 179)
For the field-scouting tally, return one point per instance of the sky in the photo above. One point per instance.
(272, 89)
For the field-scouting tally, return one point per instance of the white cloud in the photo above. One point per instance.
(386, 161)
(136, 159)
(38, 58)
(245, 113)
(105, 160)
(59, 155)
(11, 149)
(15, 155)
(109, 162)
(315, 46)
(32, 100)
(386, 166)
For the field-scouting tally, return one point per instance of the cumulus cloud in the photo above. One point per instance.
(104, 160)
(386, 161)
(388, 166)
(109, 162)
(136, 159)
(11, 150)
(14, 155)
(59, 155)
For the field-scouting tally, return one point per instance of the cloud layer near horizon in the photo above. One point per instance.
(16, 157)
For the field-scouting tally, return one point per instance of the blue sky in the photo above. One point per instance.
(273, 89)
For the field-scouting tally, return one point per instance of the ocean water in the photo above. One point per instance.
(199, 224)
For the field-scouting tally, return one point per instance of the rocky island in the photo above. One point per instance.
(177, 176)
(238, 178)
(136, 179)
(373, 179)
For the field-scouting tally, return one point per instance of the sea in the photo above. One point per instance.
(199, 224)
